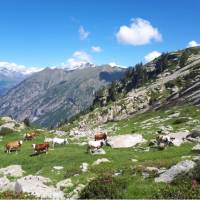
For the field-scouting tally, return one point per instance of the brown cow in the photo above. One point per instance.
(13, 146)
(38, 148)
(29, 136)
(100, 136)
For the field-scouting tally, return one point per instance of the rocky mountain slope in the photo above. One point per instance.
(49, 96)
(171, 79)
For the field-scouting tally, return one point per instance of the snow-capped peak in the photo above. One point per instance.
(8, 67)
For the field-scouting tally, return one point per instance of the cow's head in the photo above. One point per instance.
(20, 142)
(33, 145)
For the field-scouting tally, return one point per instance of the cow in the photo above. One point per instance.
(167, 140)
(59, 141)
(39, 148)
(100, 136)
(13, 146)
(56, 141)
(29, 136)
(94, 145)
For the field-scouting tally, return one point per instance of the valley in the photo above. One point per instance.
(137, 162)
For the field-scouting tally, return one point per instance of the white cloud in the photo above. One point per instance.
(151, 56)
(83, 33)
(139, 32)
(78, 59)
(96, 49)
(114, 64)
(18, 68)
(193, 44)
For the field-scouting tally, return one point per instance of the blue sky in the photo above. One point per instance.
(47, 32)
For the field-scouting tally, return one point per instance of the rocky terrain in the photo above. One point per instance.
(53, 95)
(152, 147)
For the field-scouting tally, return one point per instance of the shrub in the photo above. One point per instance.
(105, 187)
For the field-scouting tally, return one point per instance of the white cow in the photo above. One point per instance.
(56, 141)
(59, 141)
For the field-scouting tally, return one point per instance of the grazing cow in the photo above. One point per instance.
(94, 145)
(59, 141)
(13, 146)
(100, 136)
(164, 139)
(38, 148)
(29, 136)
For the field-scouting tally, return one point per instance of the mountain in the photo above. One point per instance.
(11, 74)
(52, 95)
(169, 80)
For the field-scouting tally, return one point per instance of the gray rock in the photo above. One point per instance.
(125, 141)
(84, 167)
(100, 160)
(4, 183)
(12, 170)
(196, 147)
(64, 184)
(36, 186)
(169, 175)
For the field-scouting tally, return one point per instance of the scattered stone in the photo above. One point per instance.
(165, 129)
(64, 184)
(99, 152)
(100, 160)
(196, 147)
(196, 158)
(175, 115)
(134, 160)
(75, 193)
(58, 167)
(36, 186)
(12, 170)
(145, 175)
(169, 175)
(84, 167)
(125, 141)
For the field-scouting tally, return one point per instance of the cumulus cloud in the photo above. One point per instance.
(151, 56)
(139, 32)
(96, 49)
(78, 59)
(11, 66)
(193, 43)
(83, 33)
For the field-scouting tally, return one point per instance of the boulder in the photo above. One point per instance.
(36, 186)
(179, 137)
(64, 184)
(100, 160)
(12, 170)
(84, 167)
(4, 183)
(58, 167)
(170, 174)
(125, 141)
(9, 125)
(194, 134)
(196, 147)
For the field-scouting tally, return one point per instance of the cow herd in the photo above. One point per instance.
(37, 148)
(100, 139)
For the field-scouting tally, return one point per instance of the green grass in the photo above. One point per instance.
(72, 156)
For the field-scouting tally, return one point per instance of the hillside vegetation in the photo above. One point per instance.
(152, 100)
